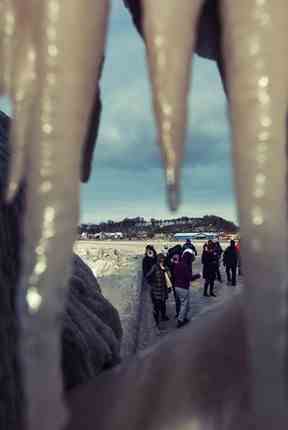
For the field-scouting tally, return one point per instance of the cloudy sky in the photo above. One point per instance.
(127, 176)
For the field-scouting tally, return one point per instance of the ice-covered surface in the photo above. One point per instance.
(105, 261)
(117, 266)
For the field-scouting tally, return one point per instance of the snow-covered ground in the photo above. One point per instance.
(105, 259)
(117, 265)
(109, 257)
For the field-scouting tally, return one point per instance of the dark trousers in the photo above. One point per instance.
(239, 267)
(177, 302)
(209, 282)
(159, 308)
(218, 274)
(231, 273)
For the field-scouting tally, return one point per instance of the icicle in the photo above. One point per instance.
(170, 30)
(63, 65)
(256, 63)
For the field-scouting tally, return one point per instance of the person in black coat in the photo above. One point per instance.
(149, 260)
(189, 245)
(172, 259)
(157, 279)
(230, 261)
(210, 264)
(175, 250)
(219, 252)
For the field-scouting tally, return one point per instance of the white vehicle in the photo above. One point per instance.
(117, 235)
(196, 236)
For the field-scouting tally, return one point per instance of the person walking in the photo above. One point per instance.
(157, 278)
(182, 279)
(219, 252)
(230, 261)
(210, 263)
(174, 260)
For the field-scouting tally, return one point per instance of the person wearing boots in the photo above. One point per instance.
(230, 261)
(210, 264)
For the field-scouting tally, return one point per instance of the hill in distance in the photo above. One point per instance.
(132, 226)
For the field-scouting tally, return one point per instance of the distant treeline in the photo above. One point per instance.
(139, 226)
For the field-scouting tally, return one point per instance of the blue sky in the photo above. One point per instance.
(127, 178)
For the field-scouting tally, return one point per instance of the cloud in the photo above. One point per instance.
(128, 178)
(140, 152)
(127, 175)
(127, 135)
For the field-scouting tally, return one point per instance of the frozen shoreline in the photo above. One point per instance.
(117, 265)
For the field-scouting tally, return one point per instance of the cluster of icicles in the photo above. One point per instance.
(51, 52)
